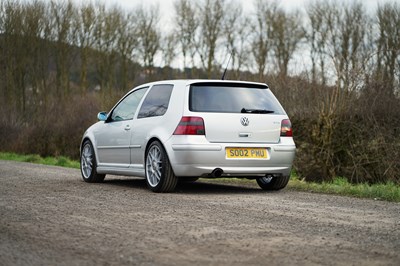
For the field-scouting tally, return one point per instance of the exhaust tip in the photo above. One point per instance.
(217, 172)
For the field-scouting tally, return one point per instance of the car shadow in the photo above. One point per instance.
(204, 187)
(198, 187)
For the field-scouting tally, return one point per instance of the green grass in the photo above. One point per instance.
(58, 161)
(339, 186)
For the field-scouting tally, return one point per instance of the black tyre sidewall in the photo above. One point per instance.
(167, 180)
(94, 177)
(276, 183)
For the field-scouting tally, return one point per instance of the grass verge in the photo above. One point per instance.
(58, 161)
(339, 186)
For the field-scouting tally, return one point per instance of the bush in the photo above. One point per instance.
(54, 131)
(349, 134)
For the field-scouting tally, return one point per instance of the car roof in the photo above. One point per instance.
(193, 81)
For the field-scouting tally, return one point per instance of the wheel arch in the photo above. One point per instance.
(88, 138)
(151, 140)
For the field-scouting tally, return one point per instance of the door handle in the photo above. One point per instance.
(127, 127)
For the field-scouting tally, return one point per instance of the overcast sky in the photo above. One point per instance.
(167, 5)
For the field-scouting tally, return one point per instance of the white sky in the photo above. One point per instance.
(167, 5)
(167, 10)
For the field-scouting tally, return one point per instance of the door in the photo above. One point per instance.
(149, 121)
(113, 137)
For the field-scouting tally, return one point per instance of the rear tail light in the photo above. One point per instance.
(286, 128)
(190, 125)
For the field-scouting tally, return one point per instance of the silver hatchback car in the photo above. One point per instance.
(185, 129)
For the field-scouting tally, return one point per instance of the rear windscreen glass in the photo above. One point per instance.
(223, 98)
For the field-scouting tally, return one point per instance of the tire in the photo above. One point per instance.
(159, 174)
(89, 164)
(273, 183)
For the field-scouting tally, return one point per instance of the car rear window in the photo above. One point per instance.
(232, 98)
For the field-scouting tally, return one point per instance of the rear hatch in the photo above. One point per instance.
(237, 112)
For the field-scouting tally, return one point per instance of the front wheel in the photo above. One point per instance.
(159, 174)
(271, 182)
(89, 164)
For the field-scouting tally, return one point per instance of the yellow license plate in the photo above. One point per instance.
(246, 153)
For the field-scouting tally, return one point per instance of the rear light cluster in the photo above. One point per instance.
(190, 125)
(286, 128)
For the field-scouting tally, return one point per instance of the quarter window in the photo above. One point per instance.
(126, 109)
(156, 102)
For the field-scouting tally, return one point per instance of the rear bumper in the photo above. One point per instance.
(200, 158)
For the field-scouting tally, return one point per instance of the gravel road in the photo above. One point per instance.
(48, 216)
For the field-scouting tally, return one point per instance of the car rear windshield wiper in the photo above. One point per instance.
(256, 111)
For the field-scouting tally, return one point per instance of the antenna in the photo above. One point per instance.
(223, 75)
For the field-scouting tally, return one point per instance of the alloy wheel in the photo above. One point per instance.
(154, 165)
(87, 161)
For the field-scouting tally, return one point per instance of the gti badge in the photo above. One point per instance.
(244, 121)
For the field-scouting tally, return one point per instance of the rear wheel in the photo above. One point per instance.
(273, 182)
(89, 164)
(159, 174)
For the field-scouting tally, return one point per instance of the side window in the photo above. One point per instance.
(126, 109)
(156, 101)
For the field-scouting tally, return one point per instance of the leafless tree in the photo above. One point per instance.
(388, 44)
(187, 24)
(148, 35)
(211, 19)
(262, 34)
(287, 33)
(338, 34)
(85, 25)
(63, 35)
(106, 35)
(36, 29)
(14, 57)
(237, 32)
(316, 37)
(126, 44)
(347, 42)
(169, 49)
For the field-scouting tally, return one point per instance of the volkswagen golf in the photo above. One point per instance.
(174, 130)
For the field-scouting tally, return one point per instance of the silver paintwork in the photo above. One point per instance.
(120, 147)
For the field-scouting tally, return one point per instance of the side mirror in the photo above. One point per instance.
(102, 116)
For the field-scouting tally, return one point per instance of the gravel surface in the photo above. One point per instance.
(49, 216)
